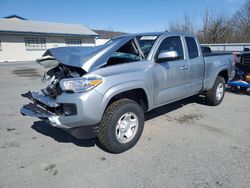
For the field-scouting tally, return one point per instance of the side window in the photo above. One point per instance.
(172, 44)
(192, 47)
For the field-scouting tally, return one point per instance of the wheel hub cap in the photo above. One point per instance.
(126, 127)
(219, 91)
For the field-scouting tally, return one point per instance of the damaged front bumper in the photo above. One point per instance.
(76, 113)
(33, 110)
(43, 107)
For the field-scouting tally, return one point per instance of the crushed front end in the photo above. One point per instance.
(71, 111)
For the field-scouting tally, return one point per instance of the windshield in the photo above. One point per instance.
(146, 43)
(130, 56)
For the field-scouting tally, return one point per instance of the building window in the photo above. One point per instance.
(73, 42)
(35, 43)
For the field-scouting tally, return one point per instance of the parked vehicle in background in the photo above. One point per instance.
(206, 49)
(246, 50)
(104, 90)
(241, 81)
(242, 61)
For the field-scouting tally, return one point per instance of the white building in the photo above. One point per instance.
(24, 40)
(106, 35)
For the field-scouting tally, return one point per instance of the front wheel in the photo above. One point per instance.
(216, 94)
(121, 126)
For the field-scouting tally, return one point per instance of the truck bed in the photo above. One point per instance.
(218, 62)
(207, 54)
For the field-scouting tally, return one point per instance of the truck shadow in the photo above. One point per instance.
(61, 136)
(174, 106)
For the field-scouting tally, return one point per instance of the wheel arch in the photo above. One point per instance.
(137, 92)
(209, 83)
(224, 74)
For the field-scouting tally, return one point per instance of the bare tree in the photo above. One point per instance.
(203, 35)
(241, 23)
(186, 25)
(214, 28)
(217, 28)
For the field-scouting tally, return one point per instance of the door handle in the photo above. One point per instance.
(184, 67)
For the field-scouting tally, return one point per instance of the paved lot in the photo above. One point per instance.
(185, 144)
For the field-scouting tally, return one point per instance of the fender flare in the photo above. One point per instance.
(222, 68)
(126, 86)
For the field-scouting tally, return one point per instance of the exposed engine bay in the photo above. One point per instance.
(55, 75)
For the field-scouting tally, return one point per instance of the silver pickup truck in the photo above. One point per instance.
(103, 91)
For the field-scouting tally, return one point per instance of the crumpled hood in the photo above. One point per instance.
(87, 58)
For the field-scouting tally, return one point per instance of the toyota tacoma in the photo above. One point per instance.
(104, 91)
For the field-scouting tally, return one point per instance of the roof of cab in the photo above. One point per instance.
(157, 34)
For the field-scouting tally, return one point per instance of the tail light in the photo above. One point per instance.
(237, 58)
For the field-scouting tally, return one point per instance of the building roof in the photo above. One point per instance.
(105, 34)
(14, 16)
(19, 26)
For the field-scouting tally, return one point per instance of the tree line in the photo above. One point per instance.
(217, 28)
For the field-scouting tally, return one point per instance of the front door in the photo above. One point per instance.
(171, 76)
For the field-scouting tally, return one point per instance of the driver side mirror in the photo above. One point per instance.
(167, 56)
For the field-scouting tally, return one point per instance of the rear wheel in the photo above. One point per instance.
(216, 94)
(121, 126)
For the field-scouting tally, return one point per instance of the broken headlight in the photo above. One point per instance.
(78, 85)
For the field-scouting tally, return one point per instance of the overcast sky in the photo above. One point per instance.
(125, 15)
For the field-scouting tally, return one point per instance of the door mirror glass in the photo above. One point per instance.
(167, 56)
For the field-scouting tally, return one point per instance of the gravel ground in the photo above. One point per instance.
(184, 144)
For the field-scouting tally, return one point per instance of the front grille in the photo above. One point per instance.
(44, 101)
(34, 110)
(246, 60)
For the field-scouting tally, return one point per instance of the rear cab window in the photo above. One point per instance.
(192, 47)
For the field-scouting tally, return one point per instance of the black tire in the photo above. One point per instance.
(211, 95)
(243, 89)
(235, 89)
(107, 131)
